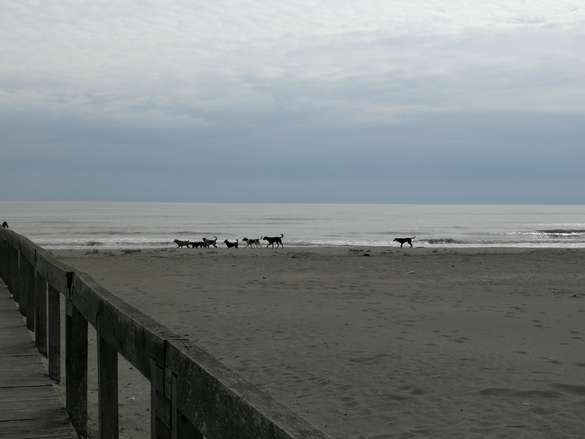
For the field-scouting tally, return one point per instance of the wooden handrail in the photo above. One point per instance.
(193, 395)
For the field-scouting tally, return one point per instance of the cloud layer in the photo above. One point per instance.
(182, 58)
(333, 89)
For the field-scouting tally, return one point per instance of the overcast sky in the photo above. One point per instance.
(310, 101)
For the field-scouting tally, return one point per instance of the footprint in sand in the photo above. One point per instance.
(551, 360)
(514, 393)
(375, 359)
(413, 390)
(461, 340)
(349, 402)
(573, 389)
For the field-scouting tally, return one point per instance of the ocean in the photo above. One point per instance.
(79, 225)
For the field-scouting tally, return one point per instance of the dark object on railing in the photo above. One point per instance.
(4, 225)
(193, 395)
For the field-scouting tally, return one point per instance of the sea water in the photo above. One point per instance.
(74, 225)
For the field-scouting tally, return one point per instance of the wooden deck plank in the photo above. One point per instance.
(29, 405)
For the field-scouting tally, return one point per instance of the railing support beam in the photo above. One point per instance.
(41, 314)
(107, 389)
(76, 369)
(54, 334)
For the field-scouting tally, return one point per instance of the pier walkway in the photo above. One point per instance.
(29, 405)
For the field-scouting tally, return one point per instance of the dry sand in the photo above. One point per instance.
(403, 343)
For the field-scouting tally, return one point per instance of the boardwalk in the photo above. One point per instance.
(29, 406)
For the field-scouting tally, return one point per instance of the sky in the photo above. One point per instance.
(414, 101)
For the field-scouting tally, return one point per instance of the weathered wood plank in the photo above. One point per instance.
(29, 406)
(160, 405)
(76, 370)
(54, 312)
(107, 389)
(133, 334)
(222, 405)
(26, 279)
(54, 271)
(3, 257)
(41, 314)
(28, 249)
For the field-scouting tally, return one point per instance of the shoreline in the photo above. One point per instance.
(317, 250)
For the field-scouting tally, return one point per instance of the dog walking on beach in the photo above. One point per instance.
(210, 242)
(229, 244)
(254, 242)
(403, 241)
(181, 243)
(274, 240)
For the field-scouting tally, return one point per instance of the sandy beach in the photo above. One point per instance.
(380, 343)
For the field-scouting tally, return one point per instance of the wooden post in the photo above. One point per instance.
(76, 369)
(181, 427)
(16, 286)
(160, 406)
(41, 314)
(8, 269)
(54, 334)
(166, 421)
(27, 277)
(107, 389)
(11, 264)
(3, 258)
(18, 283)
(15, 279)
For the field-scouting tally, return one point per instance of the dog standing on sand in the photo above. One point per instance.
(252, 242)
(403, 241)
(210, 242)
(274, 240)
(231, 244)
(181, 243)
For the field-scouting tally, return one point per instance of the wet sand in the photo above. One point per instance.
(483, 343)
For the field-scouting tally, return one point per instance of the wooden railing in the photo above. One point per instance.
(192, 394)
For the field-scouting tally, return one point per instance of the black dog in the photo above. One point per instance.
(197, 244)
(274, 240)
(181, 243)
(252, 242)
(210, 242)
(403, 241)
(231, 244)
